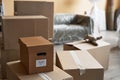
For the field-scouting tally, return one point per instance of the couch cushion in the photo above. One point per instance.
(63, 18)
(67, 33)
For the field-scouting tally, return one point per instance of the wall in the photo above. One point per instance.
(8, 7)
(79, 6)
(76, 6)
(116, 4)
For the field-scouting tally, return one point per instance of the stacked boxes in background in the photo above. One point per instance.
(23, 26)
(14, 27)
(37, 22)
(36, 54)
(100, 52)
(80, 65)
(36, 7)
(15, 24)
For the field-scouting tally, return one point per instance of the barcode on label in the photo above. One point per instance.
(41, 63)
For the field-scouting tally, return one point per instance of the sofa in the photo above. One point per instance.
(71, 27)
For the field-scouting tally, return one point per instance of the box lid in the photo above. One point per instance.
(87, 61)
(35, 0)
(34, 41)
(21, 73)
(82, 45)
(24, 17)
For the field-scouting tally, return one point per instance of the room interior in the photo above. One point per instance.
(100, 17)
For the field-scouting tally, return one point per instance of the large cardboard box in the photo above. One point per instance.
(36, 7)
(79, 64)
(36, 54)
(100, 52)
(16, 71)
(14, 27)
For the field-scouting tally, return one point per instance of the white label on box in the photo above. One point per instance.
(41, 63)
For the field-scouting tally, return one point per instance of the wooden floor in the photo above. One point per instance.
(113, 73)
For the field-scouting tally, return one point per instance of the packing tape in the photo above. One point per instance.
(79, 64)
(44, 76)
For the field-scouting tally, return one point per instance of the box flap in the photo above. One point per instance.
(85, 46)
(34, 41)
(68, 62)
(25, 17)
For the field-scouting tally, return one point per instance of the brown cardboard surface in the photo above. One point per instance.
(36, 49)
(16, 71)
(22, 26)
(93, 70)
(6, 56)
(35, 41)
(100, 52)
(36, 7)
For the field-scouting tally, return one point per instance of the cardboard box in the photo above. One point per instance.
(14, 27)
(8, 7)
(36, 54)
(84, 67)
(36, 7)
(6, 56)
(100, 52)
(16, 71)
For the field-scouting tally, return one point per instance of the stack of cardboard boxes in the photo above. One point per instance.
(36, 55)
(36, 7)
(23, 26)
(24, 18)
(37, 62)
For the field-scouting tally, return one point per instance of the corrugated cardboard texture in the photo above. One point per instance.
(36, 7)
(16, 71)
(23, 26)
(100, 52)
(93, 70)
(30, 47)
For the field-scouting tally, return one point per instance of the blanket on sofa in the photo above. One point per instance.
(71, 27)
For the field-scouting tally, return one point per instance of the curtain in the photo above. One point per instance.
(110, 15)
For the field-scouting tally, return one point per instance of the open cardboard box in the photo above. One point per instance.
(100, 52)
(82, 67)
